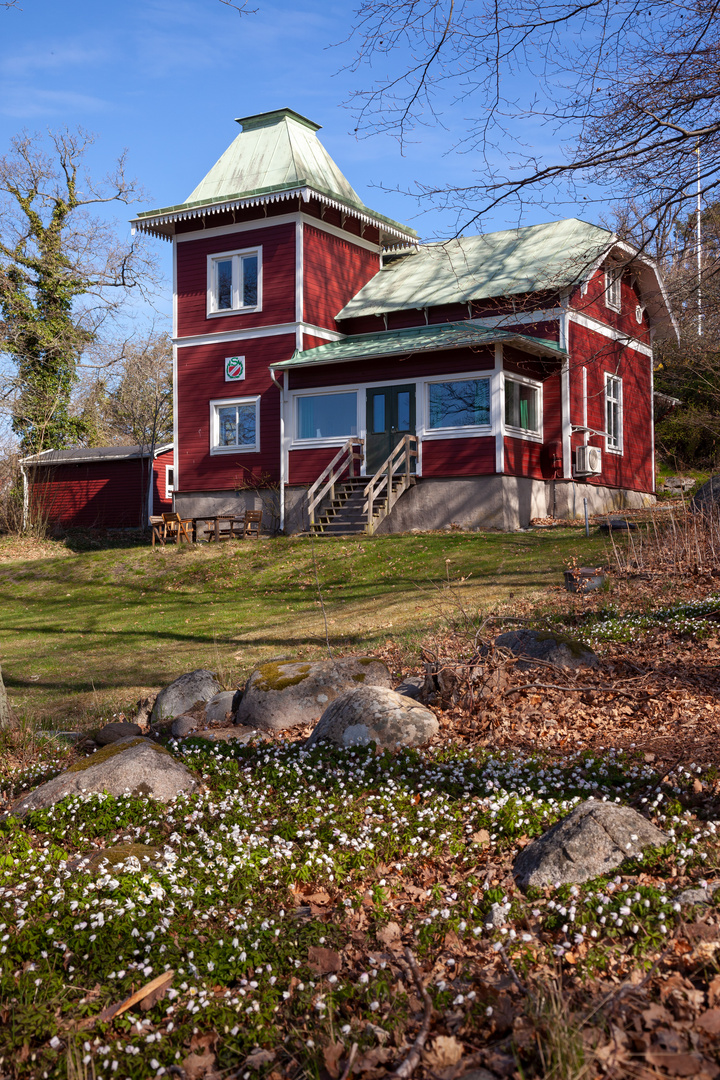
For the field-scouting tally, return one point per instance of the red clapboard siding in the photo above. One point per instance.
(401, 369)
(552, 418)
(96, 494)
(278, 280)
(201, 378)
(458, 457)
(523, 458)
(333, 271)
(633, 468)
(593, 304)
(163, 462)
(306, 465)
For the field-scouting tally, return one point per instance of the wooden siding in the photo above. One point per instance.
(334, 270)
(593, 305)
(201, 378)
(633, 468)
(458, 457)
(400, 369)
(94, 494)
(161, 464)
(278, 280)
(306, 465)
(523, 458)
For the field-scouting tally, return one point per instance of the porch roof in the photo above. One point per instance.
(450, 335)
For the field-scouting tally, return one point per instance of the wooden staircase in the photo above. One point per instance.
(342, 504)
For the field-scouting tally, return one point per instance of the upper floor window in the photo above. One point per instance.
(522, 407)
(613, 276)
(235, 425)
(613, 413)
(234, 282)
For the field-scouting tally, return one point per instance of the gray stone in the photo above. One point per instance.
(233, 734)
(116, 855)
(284, 694)
(219, 709)
(374, 714)
(237, 698)
(136, 765)
(411, 687)
(707, 497)
(699, 896)
(594, 839)
(543, 645)
(113, 732)
(182, 726)
(180, 696)
(496, 916)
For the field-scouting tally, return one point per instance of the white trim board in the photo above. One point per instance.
(274, 330)
(590, 323)
(282, 219)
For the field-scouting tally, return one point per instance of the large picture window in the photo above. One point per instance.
(235, 425)
(327, 416)
(462, 403)
(522, 407)
(234, 282)
(613, 413)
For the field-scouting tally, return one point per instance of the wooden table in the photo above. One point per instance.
(215, 532)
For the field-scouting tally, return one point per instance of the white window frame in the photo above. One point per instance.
(458, 430)
(169, 484)
(614, 380)
(215, 405)
(613, 286)
(518, 432)
(236, 257)
(326, 440)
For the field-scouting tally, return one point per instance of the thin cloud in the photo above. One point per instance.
(29, 103)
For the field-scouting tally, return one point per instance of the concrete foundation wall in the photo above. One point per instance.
(569, 495)
(198, 503)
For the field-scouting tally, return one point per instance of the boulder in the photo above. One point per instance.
(138, 766)
(700, 895)
(707, 497)
(182, 726)
(233, 734)
(116, 855)
(554, 648)
(411, 687)
(593, 840)
(284, 694)
(374, 714)
(218, 708)
(113, 732)
(180, 696)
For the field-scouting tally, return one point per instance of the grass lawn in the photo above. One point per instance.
(84, 634)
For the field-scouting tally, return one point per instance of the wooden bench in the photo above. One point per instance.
(252, 523)
(176, 528)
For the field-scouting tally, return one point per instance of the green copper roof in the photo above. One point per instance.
(453, 335)
(276, 152)
(535, 258)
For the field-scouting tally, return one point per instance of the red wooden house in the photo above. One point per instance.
(510, 373)
(106, 487)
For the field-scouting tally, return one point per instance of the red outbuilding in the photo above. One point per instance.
(106, 487)
(329, 364)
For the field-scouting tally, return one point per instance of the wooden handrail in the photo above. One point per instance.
(344, 459)
(405, 450)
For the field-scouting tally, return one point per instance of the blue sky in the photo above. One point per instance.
(166, 78)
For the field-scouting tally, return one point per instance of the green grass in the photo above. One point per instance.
(84, 634)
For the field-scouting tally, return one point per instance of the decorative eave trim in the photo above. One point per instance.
(153, 225)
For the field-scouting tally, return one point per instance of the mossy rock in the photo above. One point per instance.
(117, 855)
(535, 647)
(287, 693)
(108, 752)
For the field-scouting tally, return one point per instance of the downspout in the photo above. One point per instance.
(282, 449)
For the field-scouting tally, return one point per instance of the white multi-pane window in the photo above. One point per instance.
(234, 282)
(169, 482)
(613, 414)
(522, 407)
(613, 276)
(235, 425)
(327, 416)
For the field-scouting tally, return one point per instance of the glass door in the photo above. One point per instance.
(390, 415)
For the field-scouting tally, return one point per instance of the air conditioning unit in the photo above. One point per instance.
(588, 461)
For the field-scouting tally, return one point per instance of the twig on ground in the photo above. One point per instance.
(513, 973)
(350, 1060)
(408, 1066)
(573, 689)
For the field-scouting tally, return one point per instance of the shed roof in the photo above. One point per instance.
(80, 455)
(506, 263)
(412, 339)
(277, 155)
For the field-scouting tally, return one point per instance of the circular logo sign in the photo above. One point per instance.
(234, 368)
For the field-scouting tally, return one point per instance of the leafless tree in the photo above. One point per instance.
(631, 88)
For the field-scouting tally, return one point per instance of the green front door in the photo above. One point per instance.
(390, 415)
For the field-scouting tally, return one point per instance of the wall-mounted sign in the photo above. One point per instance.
(234, 368)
